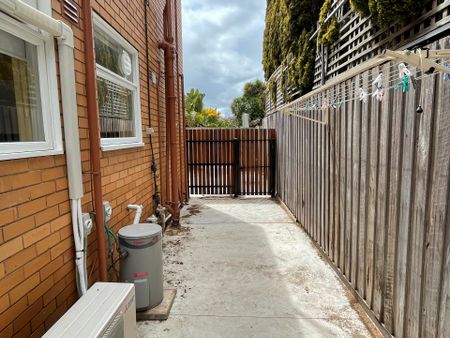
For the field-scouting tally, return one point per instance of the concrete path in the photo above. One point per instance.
(243, 268)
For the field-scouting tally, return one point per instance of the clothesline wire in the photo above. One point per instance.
(393, 79)
(393, 72)
(351, 88)
(321, 109)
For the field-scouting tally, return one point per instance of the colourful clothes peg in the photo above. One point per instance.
(446, 76)
(403, 72)
(405, 83)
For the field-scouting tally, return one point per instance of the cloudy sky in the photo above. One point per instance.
(222, 47)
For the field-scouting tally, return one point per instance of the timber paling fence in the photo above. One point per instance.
(371, 187)
(231, 161)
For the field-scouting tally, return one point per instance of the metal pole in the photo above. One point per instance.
(237, 169)
(272, 159)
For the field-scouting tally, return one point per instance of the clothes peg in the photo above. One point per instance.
(378, 83)
(363, 96)
(446, 76)
(403, 72)
(405, 84)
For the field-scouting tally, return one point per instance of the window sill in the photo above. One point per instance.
(110, 147)
(29, 154)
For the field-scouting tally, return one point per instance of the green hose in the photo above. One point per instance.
(111, 235)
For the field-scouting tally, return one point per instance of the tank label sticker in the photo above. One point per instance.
(140, 274)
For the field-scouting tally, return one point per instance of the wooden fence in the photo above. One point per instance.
(371, 187)
(231, 161)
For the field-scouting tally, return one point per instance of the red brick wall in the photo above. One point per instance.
(37, 276)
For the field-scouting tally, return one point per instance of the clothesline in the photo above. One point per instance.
(351, 92)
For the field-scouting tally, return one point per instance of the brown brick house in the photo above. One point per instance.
(114, 112)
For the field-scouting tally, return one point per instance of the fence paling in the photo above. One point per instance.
(373, 192)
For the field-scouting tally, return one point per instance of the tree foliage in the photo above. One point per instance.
(194, 101)
(199, 117)
(251, 102)
(329, 30)
(387, 12)
(208, 118)
(289, 24)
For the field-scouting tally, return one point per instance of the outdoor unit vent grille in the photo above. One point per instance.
(70, 11)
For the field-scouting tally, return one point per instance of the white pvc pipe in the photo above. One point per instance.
(137, 216)
(70, 114)
(83, 240)
(32, 16)
(78, 237)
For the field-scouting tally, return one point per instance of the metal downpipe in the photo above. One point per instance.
(169, 62)
(94, 138)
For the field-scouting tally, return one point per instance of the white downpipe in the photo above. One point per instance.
(64, 34)
(78, 236)
(138, 208)
(83, 237)
(73, 155)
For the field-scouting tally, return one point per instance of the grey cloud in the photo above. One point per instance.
(222, 47)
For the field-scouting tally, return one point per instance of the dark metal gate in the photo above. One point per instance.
(231, 161)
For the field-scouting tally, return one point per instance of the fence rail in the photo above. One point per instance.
(231, 161)
(371, 187)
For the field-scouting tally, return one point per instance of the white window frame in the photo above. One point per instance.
(134, 86)
(46, 64)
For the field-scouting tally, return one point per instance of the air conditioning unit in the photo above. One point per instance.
(105, 310)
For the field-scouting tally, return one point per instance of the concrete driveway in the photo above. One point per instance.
(243, 268)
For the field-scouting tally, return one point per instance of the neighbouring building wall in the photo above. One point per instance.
(37, 275)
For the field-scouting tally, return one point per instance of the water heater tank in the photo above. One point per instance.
(143, 264)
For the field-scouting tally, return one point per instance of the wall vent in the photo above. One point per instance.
(71, 11)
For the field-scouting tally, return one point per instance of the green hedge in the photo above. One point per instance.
(290, 23)
(387, 12)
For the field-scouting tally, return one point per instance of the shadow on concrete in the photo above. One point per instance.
(240, 271)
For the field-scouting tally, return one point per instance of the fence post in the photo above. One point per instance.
(237, 169)
(272, 160)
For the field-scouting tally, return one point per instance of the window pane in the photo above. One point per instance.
(115, 105)
(111, 55)
(20, 103)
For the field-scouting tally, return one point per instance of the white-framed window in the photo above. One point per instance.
(117, 88)
(30, 123)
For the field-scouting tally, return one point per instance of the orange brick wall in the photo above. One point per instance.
(37, 277)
